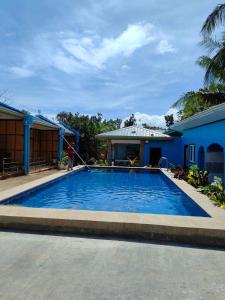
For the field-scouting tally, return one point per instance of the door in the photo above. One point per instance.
(155, 155)
(185, 156)
(201, 158)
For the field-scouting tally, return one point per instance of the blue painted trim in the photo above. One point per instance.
(60, 144)
(27, 123)
(76, 133)
(12, 108)
(47, 120)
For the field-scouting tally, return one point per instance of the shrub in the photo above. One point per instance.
(215, 191)
(103, 163)
(196, 177)
(65, 158)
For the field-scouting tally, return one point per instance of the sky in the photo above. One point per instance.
(116, 57)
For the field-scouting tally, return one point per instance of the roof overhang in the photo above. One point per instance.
(8, 112)
(214, 114)
(68, 131)
(43, 124)
(147, 138)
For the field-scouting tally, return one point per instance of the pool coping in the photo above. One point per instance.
(196, 230)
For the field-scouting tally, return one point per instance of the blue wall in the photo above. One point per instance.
(205, 136)
(172, 149)
(121, 151)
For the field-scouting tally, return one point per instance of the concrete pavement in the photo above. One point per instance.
(35, 266)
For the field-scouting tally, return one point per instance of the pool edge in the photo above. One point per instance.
(195, 230)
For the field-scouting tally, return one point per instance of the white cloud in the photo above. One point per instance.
(134, 37)
(165, 47)
(71, 52)
(125, 67)
(22, 72)
(64, 63)
(153, 120)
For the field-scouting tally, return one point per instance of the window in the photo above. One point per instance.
(192, 153)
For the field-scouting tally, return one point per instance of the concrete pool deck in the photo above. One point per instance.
(197, 230)
(55, 267)
(12, 182)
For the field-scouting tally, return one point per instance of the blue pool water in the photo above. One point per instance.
(113, 190)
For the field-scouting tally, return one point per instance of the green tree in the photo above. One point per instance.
(214, 62)
(131, 121)
(214, 65)
(147, 126)
(26, 112)
(89, 127)
(169, 120)
(216, 18)
(196, 101)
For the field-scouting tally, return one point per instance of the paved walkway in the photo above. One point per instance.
(34, 266)
(17, 181)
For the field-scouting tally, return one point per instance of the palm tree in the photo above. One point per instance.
(217, 17)
(214, 92)
(195, 101)
(214, 65)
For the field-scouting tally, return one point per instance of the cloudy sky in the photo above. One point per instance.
(116, 57)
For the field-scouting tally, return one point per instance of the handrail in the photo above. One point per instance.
(163, 158)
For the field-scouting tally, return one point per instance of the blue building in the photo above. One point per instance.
(145, 145)
(198, 140)
(28, 143)
(203, 140)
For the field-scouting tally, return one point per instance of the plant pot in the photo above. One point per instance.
(61, 166)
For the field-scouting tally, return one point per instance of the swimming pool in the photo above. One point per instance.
(116, 190)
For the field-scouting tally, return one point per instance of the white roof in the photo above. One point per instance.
(213, 114)
(65, 129)
(133, 132)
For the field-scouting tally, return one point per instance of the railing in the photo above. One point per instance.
(10, 167)
(162, 159)
(40, 163)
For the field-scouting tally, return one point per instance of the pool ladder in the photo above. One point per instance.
(162, 159)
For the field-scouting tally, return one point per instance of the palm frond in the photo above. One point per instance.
(216, 88)
(181, 102)
(212, 72)
(216, 69)
(204, 61)
(210, 44)
(215, 18)
(214, 66)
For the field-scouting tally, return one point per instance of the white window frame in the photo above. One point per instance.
(192, 153)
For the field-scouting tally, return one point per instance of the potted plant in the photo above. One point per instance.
(64, 162)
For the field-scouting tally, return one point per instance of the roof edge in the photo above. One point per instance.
(211, 110)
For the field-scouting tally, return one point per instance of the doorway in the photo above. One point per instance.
(201, 158)
(215, 161)
(155, 155)
(186, 156)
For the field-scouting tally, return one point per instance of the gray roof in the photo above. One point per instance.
(213, 114)
(134, 133)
